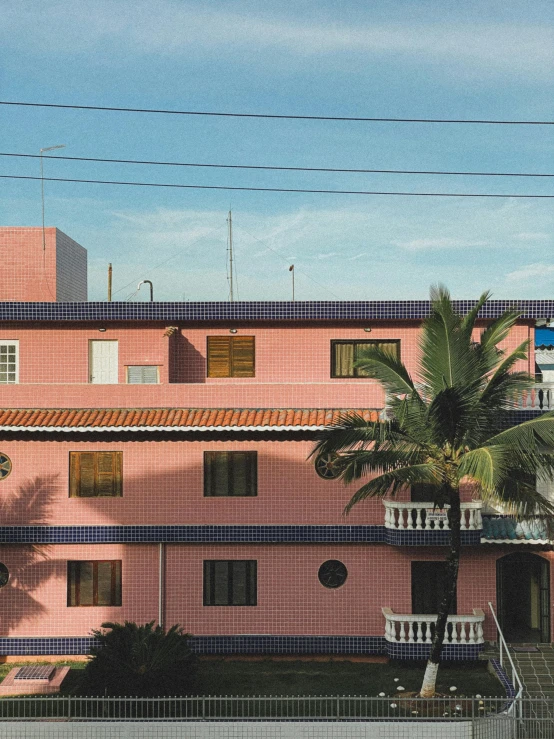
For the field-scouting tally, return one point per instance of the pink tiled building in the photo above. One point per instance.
(153, 466)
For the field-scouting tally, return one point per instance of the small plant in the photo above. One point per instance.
(140, 660)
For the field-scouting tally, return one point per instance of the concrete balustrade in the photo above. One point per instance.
(537, 398)
(414, 628)
(423, 517)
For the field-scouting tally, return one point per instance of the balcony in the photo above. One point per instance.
(540, 397)
(409, 635)
(419, 523)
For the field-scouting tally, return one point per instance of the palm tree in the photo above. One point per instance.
(450, 426)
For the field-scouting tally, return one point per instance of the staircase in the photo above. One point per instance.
(536, 670)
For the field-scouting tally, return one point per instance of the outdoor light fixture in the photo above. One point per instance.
(102, 329)
(367, 330)
(233, 330)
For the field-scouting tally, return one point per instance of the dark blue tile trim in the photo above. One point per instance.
(240, 534)
(320, 310)
(430, 537)
(450, 652)
(243, 644)
(501, 674)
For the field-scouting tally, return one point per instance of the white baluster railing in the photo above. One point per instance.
(539, 397)
(423, 517)
(419, 628)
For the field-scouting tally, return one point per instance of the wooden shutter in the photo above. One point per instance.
(95, 474)
(219, 356)
(242, 356)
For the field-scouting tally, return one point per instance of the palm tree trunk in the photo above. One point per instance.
(453, 563)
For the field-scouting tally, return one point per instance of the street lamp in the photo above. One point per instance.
(48, 148)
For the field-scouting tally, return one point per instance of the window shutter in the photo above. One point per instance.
(219, 356)
(242, 357)
(108, 474)
(85, 477)
(142, 375)
(94, 474)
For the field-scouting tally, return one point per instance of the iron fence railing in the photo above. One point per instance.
(269, 708)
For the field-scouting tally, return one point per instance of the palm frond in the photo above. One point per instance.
(485, 466)
(385, 367)
(390, 482)
(446, 355)
(468, 321)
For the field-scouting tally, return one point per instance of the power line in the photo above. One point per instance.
(280, 189)
(280, 169)
(278, 117)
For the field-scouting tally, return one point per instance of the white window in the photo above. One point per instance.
(142, 374)
(103, 362)
(9, 362)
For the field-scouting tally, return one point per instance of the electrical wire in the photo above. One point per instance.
(165, 261)
(281, 189)
(277, 116)
(281, 169)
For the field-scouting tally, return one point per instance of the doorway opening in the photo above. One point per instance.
(523, 597)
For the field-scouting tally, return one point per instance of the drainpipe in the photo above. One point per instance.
(161, 583)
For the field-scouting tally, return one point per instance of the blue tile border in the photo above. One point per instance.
(239, 534)
(450, 652)
(501, 674)
(265, 644)
(317, 310)
(241, 644)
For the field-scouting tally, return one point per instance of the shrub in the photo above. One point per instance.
(141, 660)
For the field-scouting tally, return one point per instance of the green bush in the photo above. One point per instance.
(141, 660)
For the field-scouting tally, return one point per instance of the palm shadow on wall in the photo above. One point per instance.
(29, 565)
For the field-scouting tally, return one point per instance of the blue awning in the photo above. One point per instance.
(544, 337)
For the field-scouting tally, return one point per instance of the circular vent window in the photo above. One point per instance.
(332, 574)
(326, 466)
(4, 575)
(5, 466)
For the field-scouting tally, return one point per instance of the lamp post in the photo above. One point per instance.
(291, 269)
(48, 148)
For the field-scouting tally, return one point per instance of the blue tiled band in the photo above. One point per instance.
(243, 644)
(256, 644)
(240, 534)
(315, 310)
(450, 652)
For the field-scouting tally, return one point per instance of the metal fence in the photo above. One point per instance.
(272, 708)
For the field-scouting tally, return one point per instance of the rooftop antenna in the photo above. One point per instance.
(230, 238)
(291, 269)
(48, 148)
(109, 282)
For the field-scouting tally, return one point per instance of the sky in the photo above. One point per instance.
(480, 59)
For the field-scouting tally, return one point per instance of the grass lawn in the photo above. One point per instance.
(333, 677)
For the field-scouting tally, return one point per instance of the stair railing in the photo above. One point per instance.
(514, 677)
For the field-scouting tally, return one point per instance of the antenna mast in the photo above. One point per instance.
(230, 223)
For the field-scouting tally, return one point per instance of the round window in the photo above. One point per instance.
(5, 466)
(326, 466)
(4, 575)
(332, 574)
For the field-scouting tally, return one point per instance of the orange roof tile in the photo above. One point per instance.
(136, 419)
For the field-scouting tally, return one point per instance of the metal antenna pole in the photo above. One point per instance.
(291, 269)
(48, 148)
(230, 222)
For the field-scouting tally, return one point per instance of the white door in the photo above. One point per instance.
(103, 362)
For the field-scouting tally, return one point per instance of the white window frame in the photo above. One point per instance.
(12, 342)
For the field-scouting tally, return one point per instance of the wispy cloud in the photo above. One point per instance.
(183, 29)
(538, 271)
(441, 243)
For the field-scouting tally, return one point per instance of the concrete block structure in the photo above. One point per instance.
(154, 466)
(41, 266)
